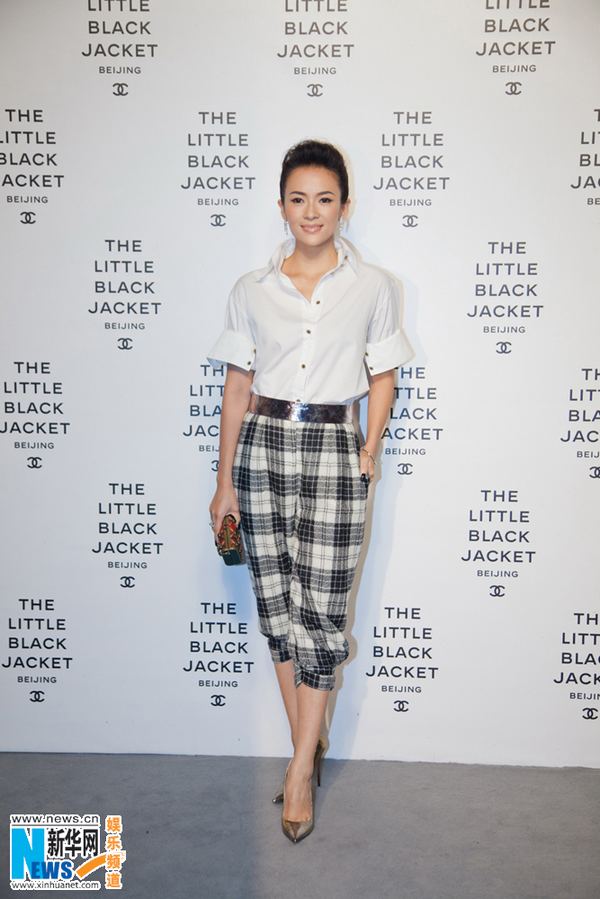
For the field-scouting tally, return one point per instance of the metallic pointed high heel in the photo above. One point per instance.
(297, 830)
(319, 751)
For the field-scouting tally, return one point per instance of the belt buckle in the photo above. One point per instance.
(298, 411)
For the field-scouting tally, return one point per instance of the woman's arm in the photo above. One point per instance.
(380, 401)
(236, 399)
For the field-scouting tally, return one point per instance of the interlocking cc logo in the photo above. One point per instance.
(218, 220)
(503, 347)
(120, 89)
(27, 218)
(410, 221)
(314, 90)
(590, 714)
(127, 581)
(125, 343)
(405, 468)
(595, 471)
(513, 87)
(401, 705)
(34, 462)
(217, 699)
(36, 696)
(497, 590)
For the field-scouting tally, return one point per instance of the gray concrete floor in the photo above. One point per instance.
(205, 827)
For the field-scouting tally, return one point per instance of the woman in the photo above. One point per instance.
(304, 338)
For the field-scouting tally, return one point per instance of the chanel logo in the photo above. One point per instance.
(497, 590)
(36, 696)
(401, 705)
(27, 218)
(127, 581)
(590, 714)
(314, 90)
(503, 347)
(125, 343)
(405, 468)
(34, 462)
(218, 220)
(120, 89)
(513, 87)
(410, 221)
(595, 471)
(217, 699)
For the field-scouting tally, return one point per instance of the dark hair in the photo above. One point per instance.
(315, 153)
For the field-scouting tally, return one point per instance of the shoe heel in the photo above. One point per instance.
(319, 752)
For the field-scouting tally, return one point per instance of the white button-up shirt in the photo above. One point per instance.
(318, 350)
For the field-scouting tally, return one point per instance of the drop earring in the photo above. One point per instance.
(285, 227)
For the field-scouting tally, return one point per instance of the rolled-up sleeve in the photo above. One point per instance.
(387, 344)
(235, 343)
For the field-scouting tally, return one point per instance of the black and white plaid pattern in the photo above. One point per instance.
(302, 506)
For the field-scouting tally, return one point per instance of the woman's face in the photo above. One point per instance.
(312, 205)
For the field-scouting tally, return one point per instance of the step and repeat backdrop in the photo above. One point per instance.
(140, 150)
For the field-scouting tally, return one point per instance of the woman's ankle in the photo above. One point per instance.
(302, 766)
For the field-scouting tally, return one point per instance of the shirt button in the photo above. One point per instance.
(366, 354)
(317, 302)
(303, 365)
(308, 330)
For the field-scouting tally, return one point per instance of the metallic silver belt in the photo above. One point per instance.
(325, 412)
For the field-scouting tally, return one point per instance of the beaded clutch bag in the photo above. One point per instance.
(229, 541)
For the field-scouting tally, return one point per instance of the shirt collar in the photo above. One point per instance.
(344, 251)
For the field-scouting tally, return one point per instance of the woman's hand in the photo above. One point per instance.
(367, 466)
(381, 398)
(223, 502)
(236, 397)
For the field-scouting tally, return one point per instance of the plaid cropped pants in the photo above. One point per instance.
(302, 509)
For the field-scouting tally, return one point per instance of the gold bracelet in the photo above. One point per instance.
(365, 450)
